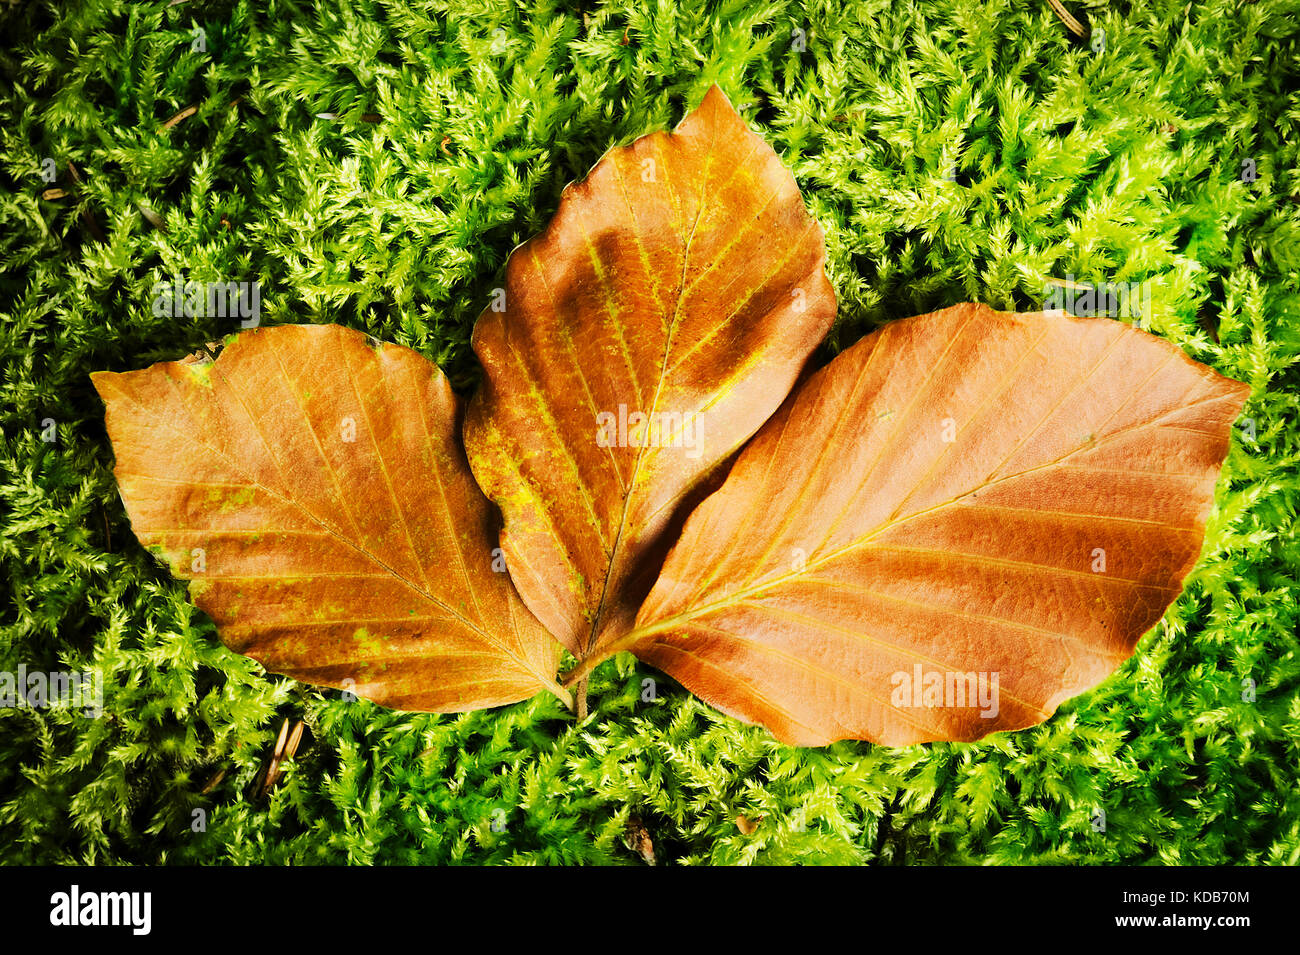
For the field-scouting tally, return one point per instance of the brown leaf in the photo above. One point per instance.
(310, 485)
(646, 334)
(972, 492)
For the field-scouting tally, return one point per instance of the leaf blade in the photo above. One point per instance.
(310, 486)
(1037, 543)
(644, 295)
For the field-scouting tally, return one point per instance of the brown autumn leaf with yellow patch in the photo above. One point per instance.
(646, 334)
(958, 523)
(311, 486)
(963, 520)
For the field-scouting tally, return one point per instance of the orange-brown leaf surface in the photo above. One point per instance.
(960, 498)
(657, 322)
(310, 484)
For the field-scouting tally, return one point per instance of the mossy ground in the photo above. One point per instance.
(952, 151)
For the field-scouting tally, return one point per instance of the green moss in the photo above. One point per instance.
(951, 151)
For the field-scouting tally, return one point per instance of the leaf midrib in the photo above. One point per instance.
(593, 633)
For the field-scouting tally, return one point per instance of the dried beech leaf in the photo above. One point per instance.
(310, 485)
(682, 281)
(969, 492)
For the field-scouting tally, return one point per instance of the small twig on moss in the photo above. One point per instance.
(183, 114)
(215, 781)
(272, 772)
(1064, 15)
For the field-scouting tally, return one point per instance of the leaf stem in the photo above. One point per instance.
(578, 675)
(580, 692)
